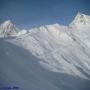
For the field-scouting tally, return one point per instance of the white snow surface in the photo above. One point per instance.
(50, 57)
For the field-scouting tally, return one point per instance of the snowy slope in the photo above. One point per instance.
(50, 57)
(59, 48)
(20, 68)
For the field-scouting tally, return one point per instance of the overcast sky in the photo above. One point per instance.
(30, 13)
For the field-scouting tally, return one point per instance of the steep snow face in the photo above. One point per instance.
(8, 29)
(59, 48)
(45, 37)
(82, 24)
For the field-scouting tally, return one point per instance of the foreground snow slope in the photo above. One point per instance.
(20, 68)
(50, 57)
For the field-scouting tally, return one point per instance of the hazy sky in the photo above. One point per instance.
(30, 13)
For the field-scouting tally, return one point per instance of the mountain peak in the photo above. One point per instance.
(7, 24)
(81, 19)
(80, 14)
(8, 29)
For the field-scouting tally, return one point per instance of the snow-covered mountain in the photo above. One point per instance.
(50, 57)
(8, 29)
(81, 20)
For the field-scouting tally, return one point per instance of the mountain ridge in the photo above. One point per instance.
(7, 27)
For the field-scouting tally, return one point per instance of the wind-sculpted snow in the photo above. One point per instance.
(50, 57)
